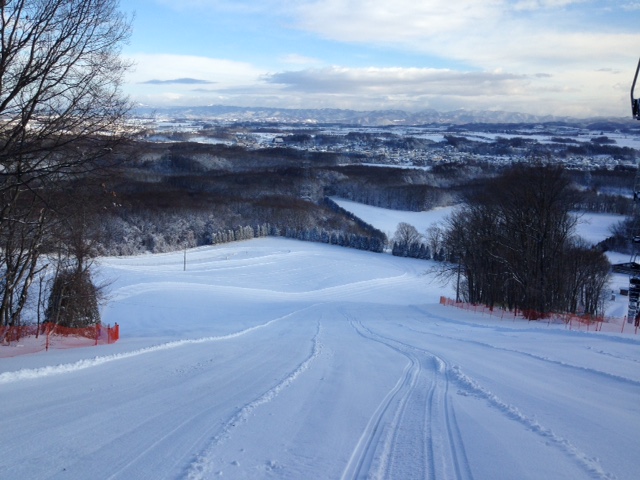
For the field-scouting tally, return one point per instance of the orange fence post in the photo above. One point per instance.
(114, 333)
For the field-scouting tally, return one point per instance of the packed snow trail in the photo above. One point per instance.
(423, 431)
(94, 362)
(515, 386)
(286, 360)
(176, 398)
(202, 466)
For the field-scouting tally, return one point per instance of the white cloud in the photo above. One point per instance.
(167, 67)
(416, 89)
(394, 22)
(232, 83)
(161, 78)
(544, 4)
(485, 34)
(296, 59)
(394, 81)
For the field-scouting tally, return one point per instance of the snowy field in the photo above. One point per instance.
(593, 227)
(387, 220)
(274, 358)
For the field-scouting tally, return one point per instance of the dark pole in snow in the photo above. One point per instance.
(458, 284)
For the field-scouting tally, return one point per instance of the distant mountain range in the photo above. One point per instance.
(362, 118)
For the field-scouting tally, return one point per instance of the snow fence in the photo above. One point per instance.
(571, 321)
(31, 338)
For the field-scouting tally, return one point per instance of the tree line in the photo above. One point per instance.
(373, 243)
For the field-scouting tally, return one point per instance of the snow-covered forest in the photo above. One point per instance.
(168, 196)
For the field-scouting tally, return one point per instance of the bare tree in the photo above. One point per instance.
(406, 234)
(434, 237)
(516, 247)
(407, 242)
(61, 114)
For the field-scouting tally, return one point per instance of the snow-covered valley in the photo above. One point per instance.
(274, 358)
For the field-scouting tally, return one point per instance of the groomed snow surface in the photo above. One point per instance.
(274, 358)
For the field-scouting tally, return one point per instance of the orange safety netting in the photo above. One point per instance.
(31, 338)
(571, 320)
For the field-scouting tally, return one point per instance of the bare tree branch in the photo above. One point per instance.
(61, 114)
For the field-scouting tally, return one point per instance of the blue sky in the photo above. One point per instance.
(557, 57)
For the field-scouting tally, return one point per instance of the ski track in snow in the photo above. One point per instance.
(590, 465)
(589, 370)
(470, 387)
(612, 355)
(34, 373)
(444, 454)
(204, 464)
(416, 409)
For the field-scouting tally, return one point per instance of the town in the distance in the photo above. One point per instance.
(398, 138)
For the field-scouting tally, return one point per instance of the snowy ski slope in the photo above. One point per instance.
(274, 358)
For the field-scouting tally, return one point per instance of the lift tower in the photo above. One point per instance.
(633, 314)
